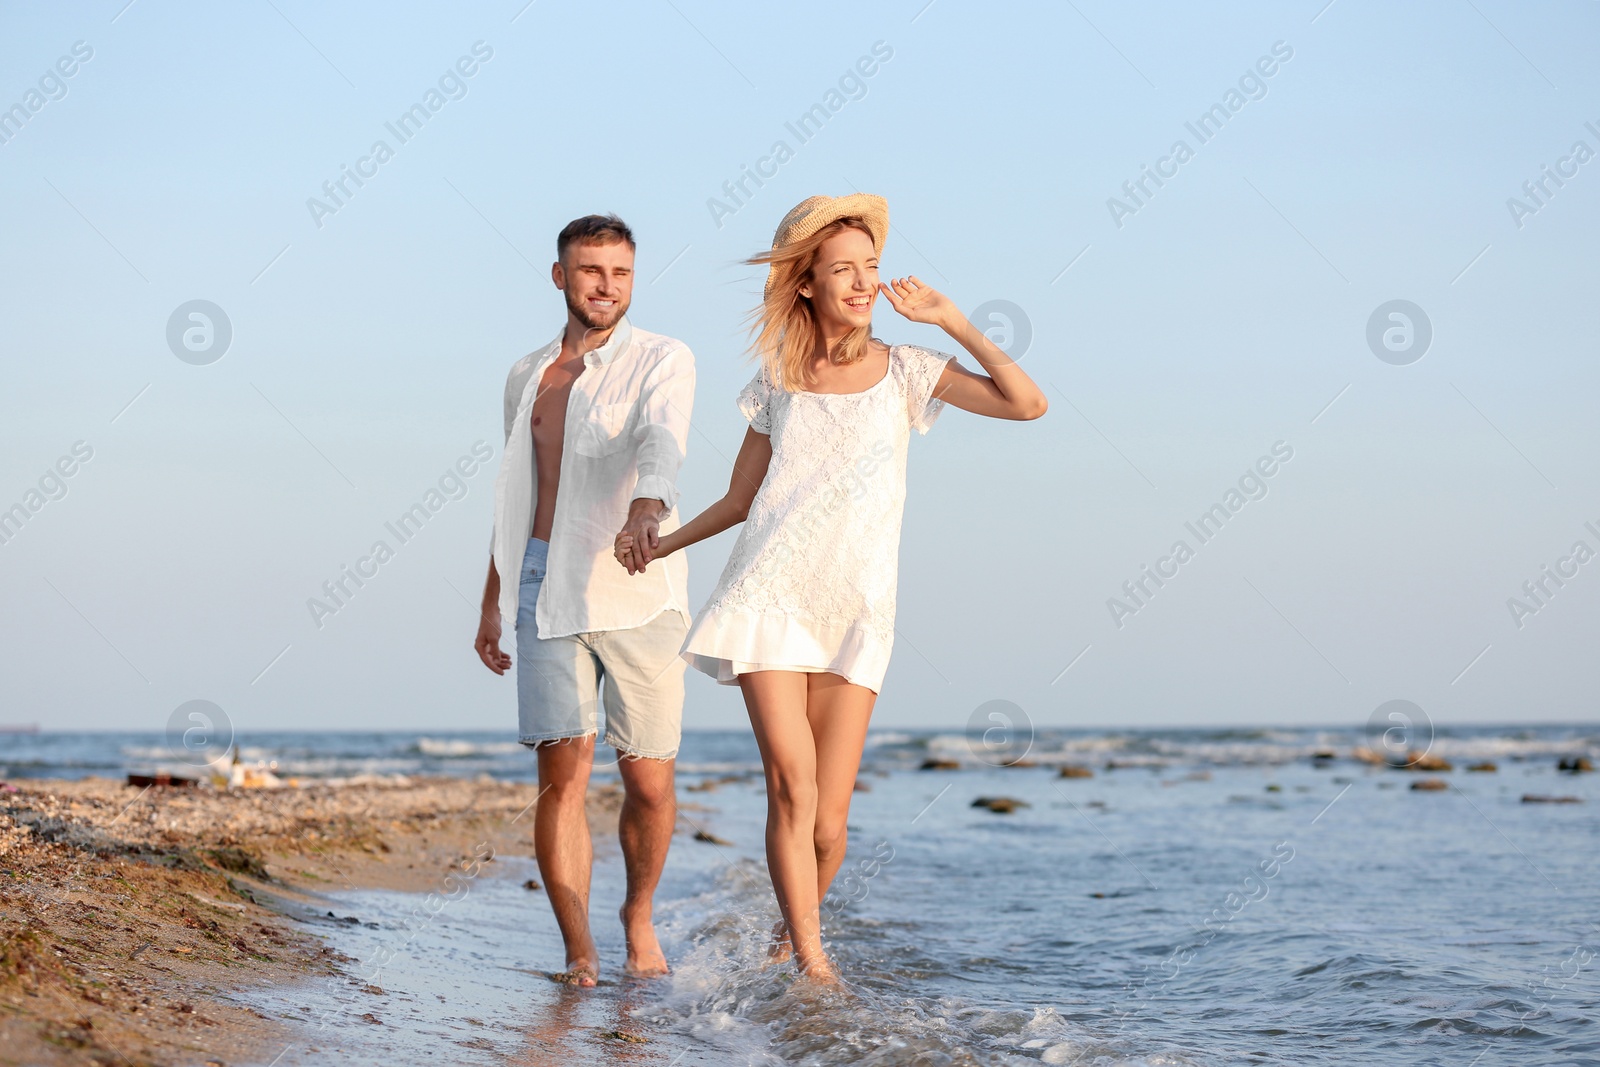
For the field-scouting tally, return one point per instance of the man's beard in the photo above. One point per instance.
(590, 320)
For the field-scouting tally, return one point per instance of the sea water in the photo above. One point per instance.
(1218, 897)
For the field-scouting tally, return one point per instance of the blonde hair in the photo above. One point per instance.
(785, 325)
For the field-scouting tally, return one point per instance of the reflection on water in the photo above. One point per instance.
(469, 985)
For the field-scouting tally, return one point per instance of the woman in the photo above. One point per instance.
(803, 617)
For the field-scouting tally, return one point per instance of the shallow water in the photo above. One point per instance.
(461, 984)
(1184, 912)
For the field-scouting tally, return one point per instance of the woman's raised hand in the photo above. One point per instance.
(921, 303)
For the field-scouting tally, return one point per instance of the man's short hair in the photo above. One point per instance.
(593, 229)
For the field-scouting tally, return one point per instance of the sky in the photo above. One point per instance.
(1234, 314)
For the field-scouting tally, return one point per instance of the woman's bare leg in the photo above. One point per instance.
(776, 701)
(839, 713)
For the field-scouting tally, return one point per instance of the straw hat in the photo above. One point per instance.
(812, 214)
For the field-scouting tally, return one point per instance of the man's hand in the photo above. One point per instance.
(643, 533)
(488, 642)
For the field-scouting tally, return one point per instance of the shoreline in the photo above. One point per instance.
(127, 915)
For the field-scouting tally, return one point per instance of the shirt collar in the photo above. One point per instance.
(621, 337)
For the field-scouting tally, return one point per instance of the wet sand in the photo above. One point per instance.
(128, 917)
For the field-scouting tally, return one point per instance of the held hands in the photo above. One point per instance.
(628, 551)
(637, 542)
(922, 303)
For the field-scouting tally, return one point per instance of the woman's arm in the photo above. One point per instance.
(749, 470)
(1006, 392)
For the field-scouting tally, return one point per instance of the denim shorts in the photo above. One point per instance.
(559, 680)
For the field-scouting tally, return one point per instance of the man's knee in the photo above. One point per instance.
(646, 777)
(650, 792)
(564, 766)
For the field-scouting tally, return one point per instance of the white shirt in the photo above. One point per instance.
(627, 429)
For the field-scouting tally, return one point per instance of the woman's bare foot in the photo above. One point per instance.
(645, 958)
(781, 950)
(819, 971)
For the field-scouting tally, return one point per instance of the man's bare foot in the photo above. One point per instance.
(583, 970)
(781, 950)
(645, 958)
(580, 973)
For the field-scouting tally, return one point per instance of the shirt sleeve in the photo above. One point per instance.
(513, 397)
(755, 402)
(922, 368)
(662, 431)
(509, 404)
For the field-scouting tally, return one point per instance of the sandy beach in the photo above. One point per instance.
(126, 912)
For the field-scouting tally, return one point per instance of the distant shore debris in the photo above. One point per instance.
(163, 780)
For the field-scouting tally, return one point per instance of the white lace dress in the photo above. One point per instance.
(810, 585)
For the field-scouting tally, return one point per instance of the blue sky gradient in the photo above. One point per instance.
(1227, 313)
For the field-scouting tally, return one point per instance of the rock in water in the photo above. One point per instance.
(1575, 764)
(1485, 766)
(1074, 771)
(939, 765)
(711, 839)
(1430, 784)
(1539, 798)
(1000, 805)
(1422, 761)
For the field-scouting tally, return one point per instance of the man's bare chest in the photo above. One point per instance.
(549, 415)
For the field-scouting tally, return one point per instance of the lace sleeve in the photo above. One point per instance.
(755, 402)
(921, 370)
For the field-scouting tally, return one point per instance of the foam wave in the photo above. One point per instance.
(451, 748)
(1513, 748)
(1234, 748)
(884, 738)
(144, 752)
(723, 994)
(720, 767)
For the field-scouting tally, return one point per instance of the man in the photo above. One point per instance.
(597, 423)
